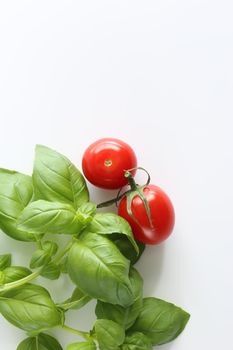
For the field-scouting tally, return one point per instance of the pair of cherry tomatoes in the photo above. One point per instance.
(150, 211)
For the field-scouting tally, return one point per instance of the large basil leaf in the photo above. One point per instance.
(30, 308)
(160, 321)
(56, 179)
(123, 316)
(41, 342)
(16, 191)
(98, 268)
(5, 261)
(136, 341)
(76, 301)
(109, 223)
(15, 273)
(87, 345)
(126, 248)
(49, 217)
(110, 335)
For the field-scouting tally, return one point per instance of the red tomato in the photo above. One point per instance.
(105, 161)
(161, 211)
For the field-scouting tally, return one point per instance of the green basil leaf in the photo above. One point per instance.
(5, 261)
(126, 248)
(98, 268)
(64, 265)
(76, 301)
(48, 342)
(28, 344)
(56, 179)
(49, 217)
(16, 191)
(39, 258)
(50, 247)
(110, 335)
(136, 341)
(109, 223)
(123, 316)
(86, 212)
(51, 271)
(2, 277)
(43, 256)
(15, 273)
(160, 321)
(87, 345)
(30, 308)
(41, 342)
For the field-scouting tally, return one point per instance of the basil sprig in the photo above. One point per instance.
(98, 258)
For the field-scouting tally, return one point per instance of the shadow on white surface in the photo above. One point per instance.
(150, 266)
(165, 346)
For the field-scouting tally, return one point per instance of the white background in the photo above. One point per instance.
(159, 75)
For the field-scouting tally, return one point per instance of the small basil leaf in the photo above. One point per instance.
(16, 191)
(5, 261)
(64, 265)
(88, 345)
(39, 258)
(98, 268)
(76, 301)
(41, 342)
(2, 277)
(160, 321)
(108, 223)
(126, 248)
(50, 247)
(28, 344)
(51, 271)
(110, 335)
(43, 256)
(123, 316)
(86, 212)
(136, 341)
(15, 273)
(55, 178)
(48, 217)
(30, 308)
(48, 342)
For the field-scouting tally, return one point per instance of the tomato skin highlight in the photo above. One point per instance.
(162, 215)
(105, 161)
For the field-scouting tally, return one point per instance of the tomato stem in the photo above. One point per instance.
(112, 201)
(132, 184)
(131, 180)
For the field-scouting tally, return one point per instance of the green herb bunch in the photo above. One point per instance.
(98, 258)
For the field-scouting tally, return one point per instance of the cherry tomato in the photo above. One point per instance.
(161, 211)
(105, 161)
